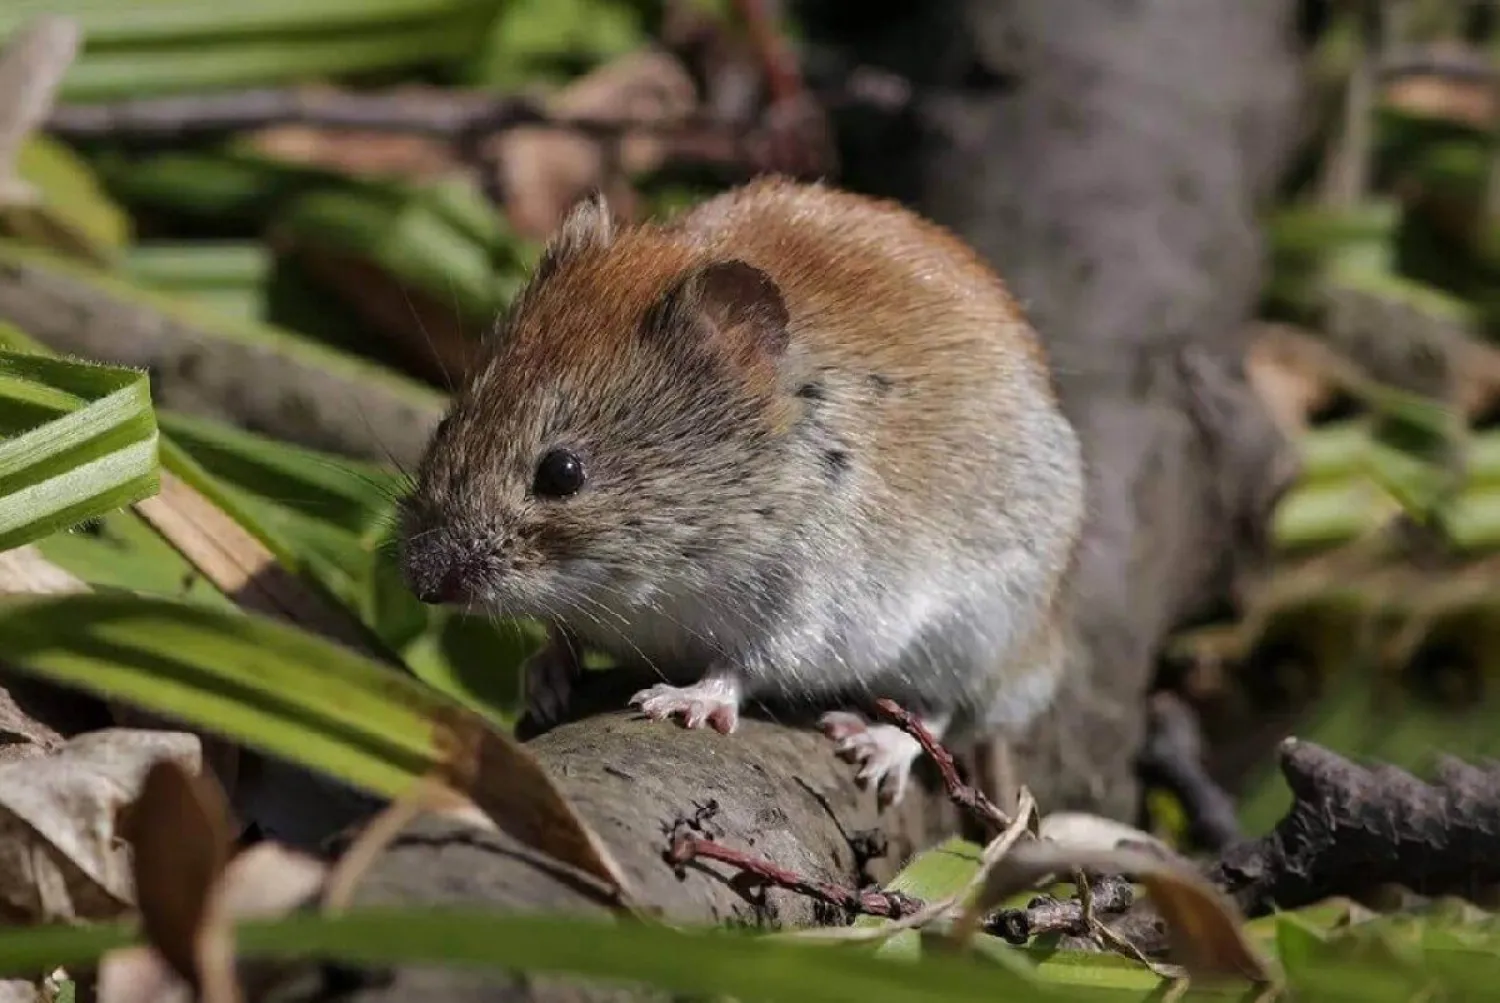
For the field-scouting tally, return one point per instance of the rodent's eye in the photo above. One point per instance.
(558, 475)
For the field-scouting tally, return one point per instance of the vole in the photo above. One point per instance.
(793, 443)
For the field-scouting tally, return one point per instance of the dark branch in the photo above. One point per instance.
(1112, 895)
(1352, 829)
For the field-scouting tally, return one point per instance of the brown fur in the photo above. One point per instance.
(806, 416)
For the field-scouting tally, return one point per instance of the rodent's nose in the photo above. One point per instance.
(445, 588)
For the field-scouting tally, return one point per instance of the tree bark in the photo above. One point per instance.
(1108, 157)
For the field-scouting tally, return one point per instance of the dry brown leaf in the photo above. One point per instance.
(367, 152)
(191, 890)
(1095, 832)
(241, 566)
(32, 64)
(266, 880)
(1206, 929)
(1466, 99)
(545, 170)
(22, 735)
(24, 571)
(179, 829)
(61, 857)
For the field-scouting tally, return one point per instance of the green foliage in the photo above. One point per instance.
(175, 46)
(273, 687)
(78, 440)
(548, 41)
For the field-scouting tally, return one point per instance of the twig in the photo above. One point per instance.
(891, 905)
(966, 796)
(1351, 829)
(932, 911)
(444, 115)
(1110, 894)
(778, 63)
(1172, 759)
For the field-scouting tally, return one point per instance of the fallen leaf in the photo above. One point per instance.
(1466, 99)
(23, 570)
(1095, 832)
(242, 567)
(179, 830)
(366, 152)
(191, 891)
(264, 881)
(32, 64)
(61, 857)
(269, 879)
(22, 736)
(544, 170)
(1205, 927)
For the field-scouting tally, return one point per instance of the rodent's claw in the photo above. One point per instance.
(709, 702)
(883, 752)
(838, 725)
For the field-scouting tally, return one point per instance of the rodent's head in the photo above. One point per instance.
(617, 439)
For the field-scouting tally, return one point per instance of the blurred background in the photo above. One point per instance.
(1261, 241)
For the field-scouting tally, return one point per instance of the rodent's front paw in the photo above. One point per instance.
(883, 752)
(715, 701)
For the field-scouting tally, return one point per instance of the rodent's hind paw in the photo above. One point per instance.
(883, 752)
(713, 701)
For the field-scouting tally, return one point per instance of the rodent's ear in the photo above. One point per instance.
(589, 224)
(732, 302)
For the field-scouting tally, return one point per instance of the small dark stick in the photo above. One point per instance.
(966, 796)
(1110, 894)
(890, 905)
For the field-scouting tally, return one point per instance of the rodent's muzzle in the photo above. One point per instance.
(437, 572)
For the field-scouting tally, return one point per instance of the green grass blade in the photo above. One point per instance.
(27, 951)
(150, 23)
(251, 679)
(105, 74)
(81, 440)
(718, 962)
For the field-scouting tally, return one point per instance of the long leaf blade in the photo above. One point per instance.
(94, 450)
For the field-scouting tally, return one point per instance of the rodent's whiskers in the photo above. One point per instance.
(708, 641)
(572, 601)
(617, 630)
(427, 335)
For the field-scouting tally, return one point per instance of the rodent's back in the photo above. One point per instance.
(937, 392)
(875, 289)
(819, 441)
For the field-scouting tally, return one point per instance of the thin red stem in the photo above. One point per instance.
(891, 905)
(966, 796)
